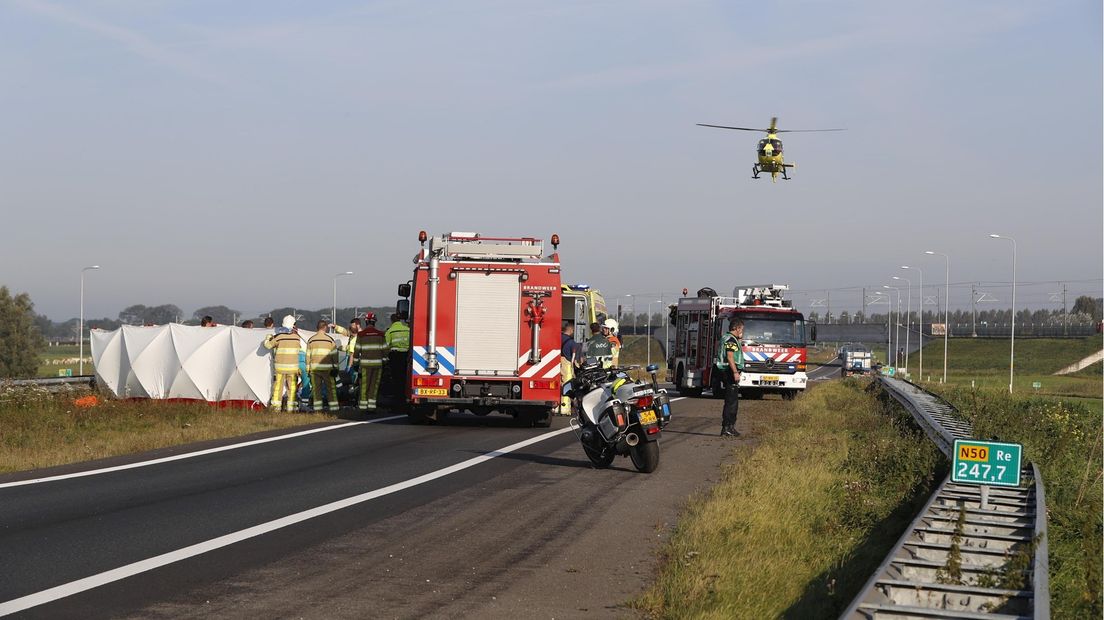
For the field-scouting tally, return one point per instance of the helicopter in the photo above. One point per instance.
(770, 149)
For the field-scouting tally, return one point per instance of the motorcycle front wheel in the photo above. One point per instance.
(645, 456)
(600, 458)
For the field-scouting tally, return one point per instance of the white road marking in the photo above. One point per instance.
(106, 577)
(188, 455)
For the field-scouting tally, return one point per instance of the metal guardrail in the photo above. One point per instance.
(954, 556)
(48, 382)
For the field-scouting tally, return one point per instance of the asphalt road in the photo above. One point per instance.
(384, 519)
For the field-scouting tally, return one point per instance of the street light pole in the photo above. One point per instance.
(80, 337)
(1012, 354)
(920, 336)
(648, 336)
(908, 319)
(946, 309)
(896, 326)
(333, 316)
(633, 297)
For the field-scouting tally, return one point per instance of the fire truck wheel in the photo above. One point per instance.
(543, 421)
(690, 392)
(789, 394)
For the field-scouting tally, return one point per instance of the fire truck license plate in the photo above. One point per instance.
(769, 380)
(647, 417)
(430, 391)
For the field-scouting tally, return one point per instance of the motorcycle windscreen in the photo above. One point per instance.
(487, 323)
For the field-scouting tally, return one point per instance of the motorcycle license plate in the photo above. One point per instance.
(431, 391)
(647, 417)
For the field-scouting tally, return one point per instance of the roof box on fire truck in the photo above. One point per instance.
(473, 246)
(762, 295)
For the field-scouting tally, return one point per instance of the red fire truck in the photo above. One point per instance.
(484, 327)
(774, 341)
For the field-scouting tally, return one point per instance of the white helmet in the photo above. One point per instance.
(288, 322)
(611, 325)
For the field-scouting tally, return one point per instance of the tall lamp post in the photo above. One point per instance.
(908, 319)
(920, 312)
(946, 308)
(1012, 354)
(897, 325)
(333, 317)
(633, 297)
(648, 336)
(80, 337)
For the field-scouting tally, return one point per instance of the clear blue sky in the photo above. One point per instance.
(241, 153)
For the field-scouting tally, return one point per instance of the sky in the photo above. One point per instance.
(241, 153)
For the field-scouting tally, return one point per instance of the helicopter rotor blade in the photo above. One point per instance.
(727, 127)
(807, 130)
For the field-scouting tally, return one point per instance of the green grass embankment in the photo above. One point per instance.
(983, 362)
(40, 429)
(1064, 440)
(802, 517)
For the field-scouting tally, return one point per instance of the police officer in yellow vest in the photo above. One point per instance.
(285, 345)
(397, 339)
(370, 348)
(322, 365)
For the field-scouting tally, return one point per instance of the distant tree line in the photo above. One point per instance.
(1085, 311)
(139, 314)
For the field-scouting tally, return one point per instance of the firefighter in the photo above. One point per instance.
(322, 365)
(370, 347)
(285, 345)
(613, 337)
(350, 344)
(397, 339)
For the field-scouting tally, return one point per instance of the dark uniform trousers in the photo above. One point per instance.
(731, 398)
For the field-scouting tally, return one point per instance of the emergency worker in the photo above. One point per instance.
(730, 363)
(370, 348)
(610, 329)
(569, 360)
(350, 344)
(322, 365)
(599, 345)
(397, 340)
(285, 345)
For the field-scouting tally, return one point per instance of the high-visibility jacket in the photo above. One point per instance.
(285, 349)
(397, 337)
(321, 352)
(350, 344)
(371, 346)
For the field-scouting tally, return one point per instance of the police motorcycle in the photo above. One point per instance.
(617, 416)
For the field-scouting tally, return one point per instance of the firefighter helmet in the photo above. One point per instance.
(611, 325)
(370, 317)
(288, 322)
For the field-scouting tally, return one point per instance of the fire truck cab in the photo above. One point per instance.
(485, 318)
(774, 341)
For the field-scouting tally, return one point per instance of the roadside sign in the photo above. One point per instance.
(1036, 384)
(65, 372)
(938, 329)
(986, 462)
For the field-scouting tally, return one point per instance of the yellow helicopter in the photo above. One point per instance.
(770, 149)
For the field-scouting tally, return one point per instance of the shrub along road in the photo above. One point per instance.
(532, 532)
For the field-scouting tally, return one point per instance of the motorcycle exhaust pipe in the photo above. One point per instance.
(632, 439)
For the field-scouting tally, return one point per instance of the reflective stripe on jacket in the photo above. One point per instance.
(321, 352)
(371, 346)
(285, 348)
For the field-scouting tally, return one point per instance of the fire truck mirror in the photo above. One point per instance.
(402, 308)
(812, 331)
(404, 289)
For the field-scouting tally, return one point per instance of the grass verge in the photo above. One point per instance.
(801, 519)
(40, 429)
(1065, 440)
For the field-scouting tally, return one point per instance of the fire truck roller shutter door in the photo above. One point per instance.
(488, 318)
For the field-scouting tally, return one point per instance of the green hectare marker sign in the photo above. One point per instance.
(986, 462)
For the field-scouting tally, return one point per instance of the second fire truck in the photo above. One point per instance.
(774, 341)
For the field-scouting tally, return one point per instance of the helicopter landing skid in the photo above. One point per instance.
(755, 171)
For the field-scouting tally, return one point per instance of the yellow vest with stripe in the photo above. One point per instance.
(285, 358)
(371, 347)
(321, 353)
(397, 337)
